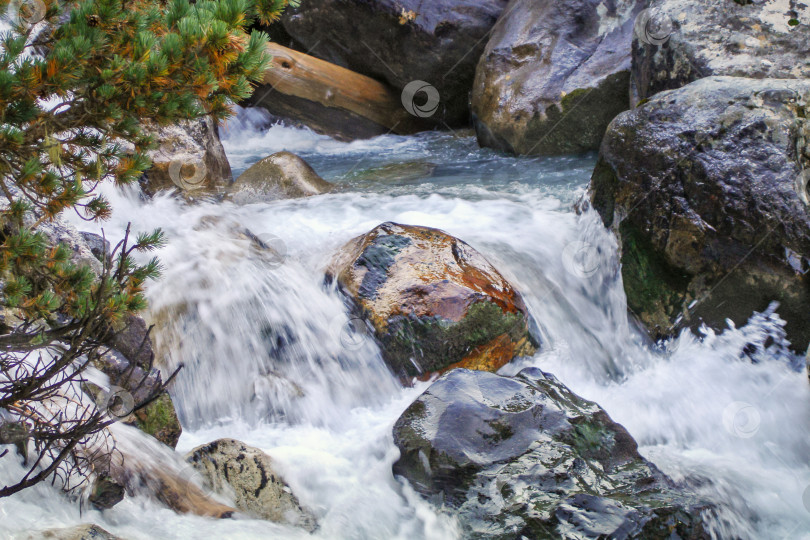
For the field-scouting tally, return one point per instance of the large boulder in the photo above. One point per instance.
(748, 38)
(524, 457)
(190, 159)
(553, 75)
(707, 188)
(433, 301)
(248, 474)
(282, 175)
(401, 41)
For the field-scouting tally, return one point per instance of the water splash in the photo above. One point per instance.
(272, 359)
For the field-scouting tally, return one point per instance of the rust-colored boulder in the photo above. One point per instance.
(433, 301)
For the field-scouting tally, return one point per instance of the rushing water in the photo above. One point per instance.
(271, 357)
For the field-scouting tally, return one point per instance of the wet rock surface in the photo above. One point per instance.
(524, 457)
(756, 39)
(86, 531)
(553, 75)
(402, 41)
(282, 175)
(131, 367)
(189, 158)
(707, 188)
(433, 301)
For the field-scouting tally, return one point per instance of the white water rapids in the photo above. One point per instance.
(270, 359)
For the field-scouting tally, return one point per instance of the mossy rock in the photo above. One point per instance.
(434, 302)
(706, 187)
(159, 419)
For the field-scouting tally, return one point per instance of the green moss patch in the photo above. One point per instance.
(435, 343)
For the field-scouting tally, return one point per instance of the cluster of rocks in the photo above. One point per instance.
(705, 181)
(703, 171)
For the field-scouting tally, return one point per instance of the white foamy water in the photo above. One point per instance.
(271, 360)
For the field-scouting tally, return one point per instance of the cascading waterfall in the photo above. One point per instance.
(272, 358)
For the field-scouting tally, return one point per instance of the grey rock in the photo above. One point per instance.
(707, 188)
(58, 231)
(99, 246)
(524, 457)
(190, 159)
(692, 39)
(553, 75)
(282, 175)
(248, 474)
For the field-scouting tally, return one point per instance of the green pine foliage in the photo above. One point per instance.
(77, 81)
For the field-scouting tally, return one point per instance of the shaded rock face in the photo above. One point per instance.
(433, 301)
(707, 188)
(401, 41)
(129, 360)
(248, 473)
(525, 457)
(553, 75)
(129, 365)
(756, 39)
(190, 158)
(282, 175)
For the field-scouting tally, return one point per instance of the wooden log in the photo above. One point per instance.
(331, 99)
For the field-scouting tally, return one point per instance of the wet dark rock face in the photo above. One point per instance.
(707, 188)
(399, 41)
(553, 75)
(433, 301)
(525, 457)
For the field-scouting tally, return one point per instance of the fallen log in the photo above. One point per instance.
(331, 99)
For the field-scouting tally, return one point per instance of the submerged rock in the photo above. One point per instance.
(437, 42)
(434, 302)
(86, 531)
(190, 158)
(247, 472)
(282, 175)
(553, 75)
(748, 38)
(524, 457)
(707, 187)
(393, 172)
